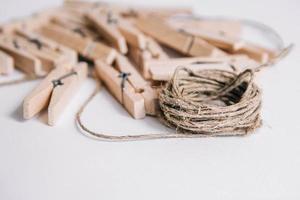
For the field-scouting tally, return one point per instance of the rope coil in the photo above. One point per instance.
(211, 102)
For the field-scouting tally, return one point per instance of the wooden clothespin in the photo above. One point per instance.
(219, 40)
(139, 84)
(121, 89)
(133, 36)
(83, 30)
(228, 28)
(178, 40)
(50, 58)
(24, 46)
(85, 46)
(256, 52)
(152, 51)
(23, 60)
(55, 91)
(69, 56)
(162, 70)
(106, 26)
(6, 63)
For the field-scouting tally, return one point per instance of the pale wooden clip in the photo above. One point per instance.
(121, 89)
(162, 70)
(83, 45)
(152, 51)
(140, 85)
(55, 91)
(180, 41)
(106, 24)
(23, 59)
(6, 63)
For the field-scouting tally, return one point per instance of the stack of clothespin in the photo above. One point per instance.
(134, 51)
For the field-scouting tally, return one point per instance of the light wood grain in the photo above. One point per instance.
(133, 102)
(6, 63)
(62, 95)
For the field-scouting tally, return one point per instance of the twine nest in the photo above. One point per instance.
(211, 102)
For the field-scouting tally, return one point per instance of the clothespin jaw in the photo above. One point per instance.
(54, 92)
(121, 89)
(6, 63)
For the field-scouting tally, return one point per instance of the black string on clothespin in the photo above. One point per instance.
(190, 35)
(79, 31)
(37, 42)
(16, 44)
(124, 77)
(58, 82)
(111, 19)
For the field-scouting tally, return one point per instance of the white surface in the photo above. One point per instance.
(41, 162)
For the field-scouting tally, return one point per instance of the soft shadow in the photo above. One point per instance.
(17, 114)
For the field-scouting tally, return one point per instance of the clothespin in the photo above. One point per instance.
(228, 28)
(69, 55)
(219, 40)
(85, 46)
(78, 28)
(162, 70)
(256, 52)
(133, 36)
(50, 58)
(152, 51)
(54, 92)
(180, 41)
(6, 63)
(140, 85)
(23, 60)
(121, 89)
(106, 26)
(24, 45)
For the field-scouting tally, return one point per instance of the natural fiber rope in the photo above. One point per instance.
(211, 102)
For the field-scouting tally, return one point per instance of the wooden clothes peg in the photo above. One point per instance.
(133, 36)
(219, 40)
(179, 41)
(121, 89)
(256, 52)
(54, 92)
(85, 46)
(106, 25)
(139, 84)
(228, 28)
(162, 70)
(6, 63)
(23, 60)
(152, 51)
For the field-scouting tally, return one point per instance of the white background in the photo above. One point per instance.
(49, 163)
